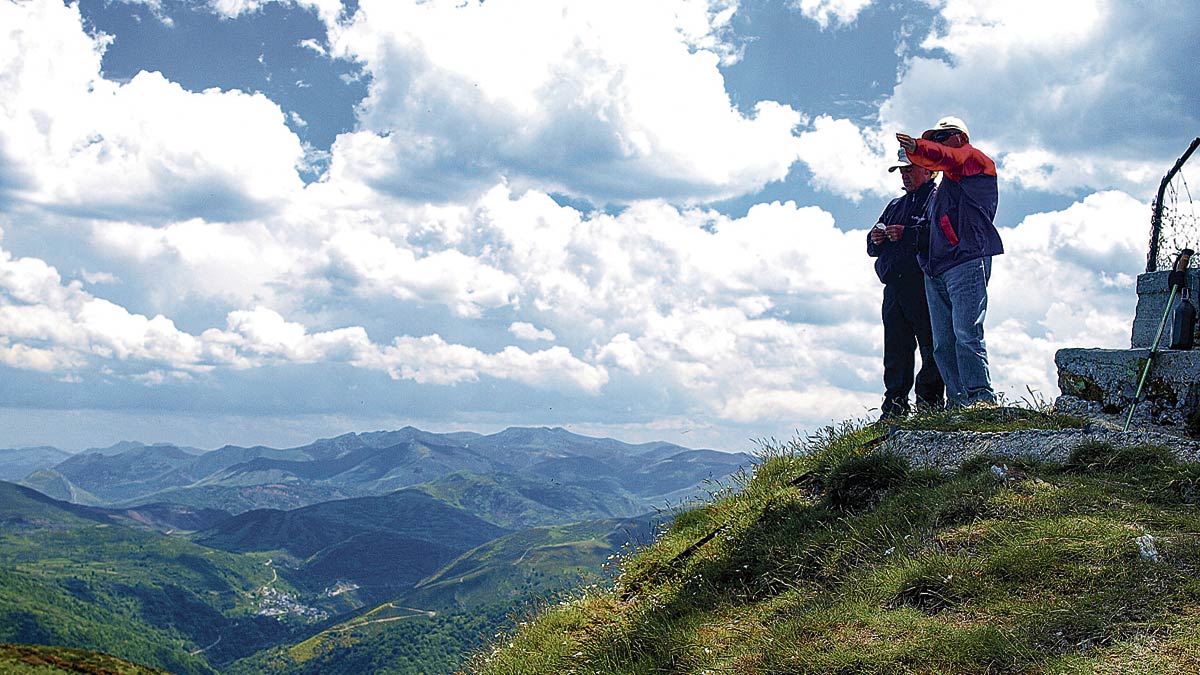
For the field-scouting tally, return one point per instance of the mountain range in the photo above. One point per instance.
(616, 479)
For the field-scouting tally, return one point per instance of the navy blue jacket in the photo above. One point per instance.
(962, 212)
(896, 260)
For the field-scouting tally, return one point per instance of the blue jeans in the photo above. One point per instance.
(957, 306)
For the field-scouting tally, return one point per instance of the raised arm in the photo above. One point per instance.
(963, 161)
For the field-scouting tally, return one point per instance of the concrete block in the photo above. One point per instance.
(1153, 291)
(1107, 379)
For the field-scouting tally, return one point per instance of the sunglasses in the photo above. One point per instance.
(940, 136)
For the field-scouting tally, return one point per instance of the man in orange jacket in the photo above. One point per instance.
(962, 239)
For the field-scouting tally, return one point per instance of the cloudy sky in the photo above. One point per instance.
(267, 221)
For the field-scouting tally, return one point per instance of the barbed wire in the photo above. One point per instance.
(1180, 229)
(1178, 224)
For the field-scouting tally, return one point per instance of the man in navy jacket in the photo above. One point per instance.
(893, 244)
(958, 263)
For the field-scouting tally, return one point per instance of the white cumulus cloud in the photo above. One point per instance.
(328, 10)
(527, 331)
(46, 325)
(431, 360)
(464, 283)
(145, 149)
(1068, 96)
(831, 12)
(846, 160)
(438, 237)
(1066, 280)
(615, 101)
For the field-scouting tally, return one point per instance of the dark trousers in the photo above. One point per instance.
(905, 328)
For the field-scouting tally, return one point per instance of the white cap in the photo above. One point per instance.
(902, 159)
(948, 124)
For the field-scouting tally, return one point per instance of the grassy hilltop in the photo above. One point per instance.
(832, 558)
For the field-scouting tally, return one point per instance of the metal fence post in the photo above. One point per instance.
(1156, 218)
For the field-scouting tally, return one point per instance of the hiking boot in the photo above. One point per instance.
(893, 408)
(892, 413)
(926, 407)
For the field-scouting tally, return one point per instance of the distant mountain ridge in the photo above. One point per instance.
(161, 517)
(634, 477)
(16, 463)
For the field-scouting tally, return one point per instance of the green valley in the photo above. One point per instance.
(69, 577)
(86, 577)
(429, 628)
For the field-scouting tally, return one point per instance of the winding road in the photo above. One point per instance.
(204, 649)
(415, 614)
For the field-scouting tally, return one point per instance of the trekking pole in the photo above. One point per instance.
(1176, 279)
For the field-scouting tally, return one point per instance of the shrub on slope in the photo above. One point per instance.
(41, 660)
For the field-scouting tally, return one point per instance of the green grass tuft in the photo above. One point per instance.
(932, 582)
(1101, 456)
(859, 482)
(1002, 418)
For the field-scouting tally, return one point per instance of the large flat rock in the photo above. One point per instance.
(947, 450)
